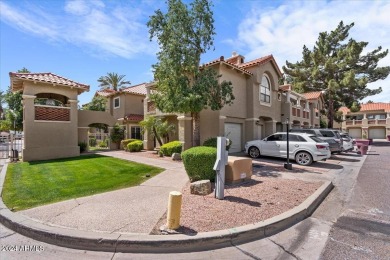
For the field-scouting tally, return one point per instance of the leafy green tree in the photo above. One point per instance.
(98, 103)
(2, 101)
(157, 128)
(24, 70)
(112, 81)
(13, 114)
(339, 66)
(117, 134)
(183, 34)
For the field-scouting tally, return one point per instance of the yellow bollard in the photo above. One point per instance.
(174, 209)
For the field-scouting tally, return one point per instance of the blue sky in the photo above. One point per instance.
(84, 39)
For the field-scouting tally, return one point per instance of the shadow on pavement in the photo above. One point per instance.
(346, 159)
(242, 200)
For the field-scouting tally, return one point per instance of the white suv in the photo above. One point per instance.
(303, 148)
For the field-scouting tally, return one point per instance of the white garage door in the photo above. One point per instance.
(355, 132)
(233, 132)
(377, 133)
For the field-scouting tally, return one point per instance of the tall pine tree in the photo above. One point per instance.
(338, 66)
(184, 33)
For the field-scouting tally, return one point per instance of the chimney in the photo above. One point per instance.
(235, 59)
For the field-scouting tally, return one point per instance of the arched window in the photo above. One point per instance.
(265, 90)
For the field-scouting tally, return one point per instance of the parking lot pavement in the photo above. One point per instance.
(318, 171)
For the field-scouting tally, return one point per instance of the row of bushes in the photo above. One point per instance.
(198, 161)
(125, 142)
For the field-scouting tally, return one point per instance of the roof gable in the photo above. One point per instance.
(261, 61)
(44, 77)
(312, 95)
(221, 60)
(139, 89)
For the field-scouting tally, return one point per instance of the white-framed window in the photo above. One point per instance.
(265, 90)
(117, 102)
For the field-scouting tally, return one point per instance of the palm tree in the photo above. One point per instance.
(112, 81)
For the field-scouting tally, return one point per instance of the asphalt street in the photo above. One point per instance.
(363, 229)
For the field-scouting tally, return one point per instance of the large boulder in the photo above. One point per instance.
(202, 187)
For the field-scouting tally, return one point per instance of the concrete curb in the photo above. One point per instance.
(140, 243)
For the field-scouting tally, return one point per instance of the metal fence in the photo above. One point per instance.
(11, 146)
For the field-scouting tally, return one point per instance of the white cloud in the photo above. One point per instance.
(77, 7)
(283, 30)
(25, 21)
(101, 30)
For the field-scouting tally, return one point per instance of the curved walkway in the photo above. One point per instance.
(133, 212)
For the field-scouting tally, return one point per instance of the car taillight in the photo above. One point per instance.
(319, 146)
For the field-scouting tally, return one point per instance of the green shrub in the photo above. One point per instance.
(104, 143)
(199, 162)
(92, 141)
(135, 146)
(83, 147)
(172, 147)
(125, 142)
(212, 142)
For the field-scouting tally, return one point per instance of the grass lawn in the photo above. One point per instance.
(30, 184)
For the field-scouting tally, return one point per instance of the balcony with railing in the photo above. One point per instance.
(371, 122)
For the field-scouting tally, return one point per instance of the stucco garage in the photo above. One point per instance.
(377, 133)
(233, 131)
(355, 132)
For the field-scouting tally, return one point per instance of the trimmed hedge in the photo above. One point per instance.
(212, 142)
(199, 162)
(172, 147)
(125, 142)
(135, 146)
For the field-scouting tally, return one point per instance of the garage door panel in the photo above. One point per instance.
(234, 132)
(355, 133)
(377, 133)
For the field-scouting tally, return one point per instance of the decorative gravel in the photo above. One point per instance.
(264, 196)
(256, 200)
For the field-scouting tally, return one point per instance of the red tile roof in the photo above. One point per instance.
(285, 87)
(105, 92)
(46, 77)
(134, 117)
(312, 95)
(222, 60)
(370, 107)
(139, 89)
(261, 60)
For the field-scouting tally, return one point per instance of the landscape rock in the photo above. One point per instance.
(202, 187)
(176, 157)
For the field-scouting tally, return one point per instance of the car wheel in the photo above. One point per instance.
(254, 152)
(303, 158)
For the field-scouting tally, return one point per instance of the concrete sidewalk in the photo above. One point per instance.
(135, 210)
(120, 221)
